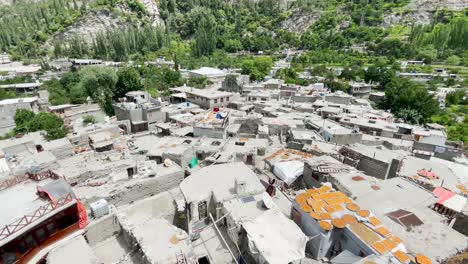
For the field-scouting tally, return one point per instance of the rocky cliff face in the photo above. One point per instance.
(421, 11)
(417, 11)
(97, 21)
(153, 11)
(300, 21)
(431, 5)
(90, 24)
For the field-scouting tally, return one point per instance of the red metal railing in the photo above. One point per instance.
(21, 223)
(43, 175)
(33, 176)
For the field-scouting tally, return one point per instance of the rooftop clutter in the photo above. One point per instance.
(329, 211)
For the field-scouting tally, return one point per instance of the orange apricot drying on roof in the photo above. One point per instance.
(349, 219)
(401, 256)
(302, 197)
(315, 215)
(363, 213)
(337, 207)
(306, 208)
(383, 231)
(325, 225)
(330, 208)
(325, 216)
(421, 259)
(352, 207)
(339, 223)
(380, 247)
(374, 221)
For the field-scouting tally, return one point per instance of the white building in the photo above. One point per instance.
(214, 75)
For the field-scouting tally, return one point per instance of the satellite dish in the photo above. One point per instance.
(267, 201)
(167, 162)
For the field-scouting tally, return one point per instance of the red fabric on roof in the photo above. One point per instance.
(428, 174)
(443, 194)
(82, 215)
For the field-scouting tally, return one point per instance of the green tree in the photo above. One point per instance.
(57, 93)
(6, 94)
(27, 121)
(99, 83)
(380, 72)
(205, 37)
(128, 79)
(23, 117)
(198, 82)
(459, 132)
(457, 97)
(257, 68)
(453, 60)
(409, 100)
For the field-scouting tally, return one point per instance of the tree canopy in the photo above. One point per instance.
(409, 101)
(27, 121)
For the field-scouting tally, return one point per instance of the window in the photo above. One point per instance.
(227, 99)
(202, 210)
(215, 101)
(51, 228)
(222, 100)
(41, 234)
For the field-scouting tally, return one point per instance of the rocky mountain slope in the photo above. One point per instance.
(421, 11)
(101, 20)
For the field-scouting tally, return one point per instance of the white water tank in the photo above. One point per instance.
(99, 208)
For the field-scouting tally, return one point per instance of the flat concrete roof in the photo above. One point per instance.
(161, 242)
(431, 238)
(22, 199)
(411, 165)
(219, 180)
(75, 251)
(381, 154)
(18, 100)
(206, 93)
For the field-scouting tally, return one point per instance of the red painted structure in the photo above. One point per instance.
(47, 223)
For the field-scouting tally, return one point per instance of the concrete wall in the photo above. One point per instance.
(392, 171)
(343, 139)
(442, 152)
(10, 109)
(295, 145)
(209, 132)
(102, 229)
(304, 98)
(434, 140)
(274, 129)
(181, 159)
(461, 224)
(338, 99)
(353, 243)
(156, 116)
(16, 149)
(373, 167)
(319, 246)
(146, 188)
(209, 103)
